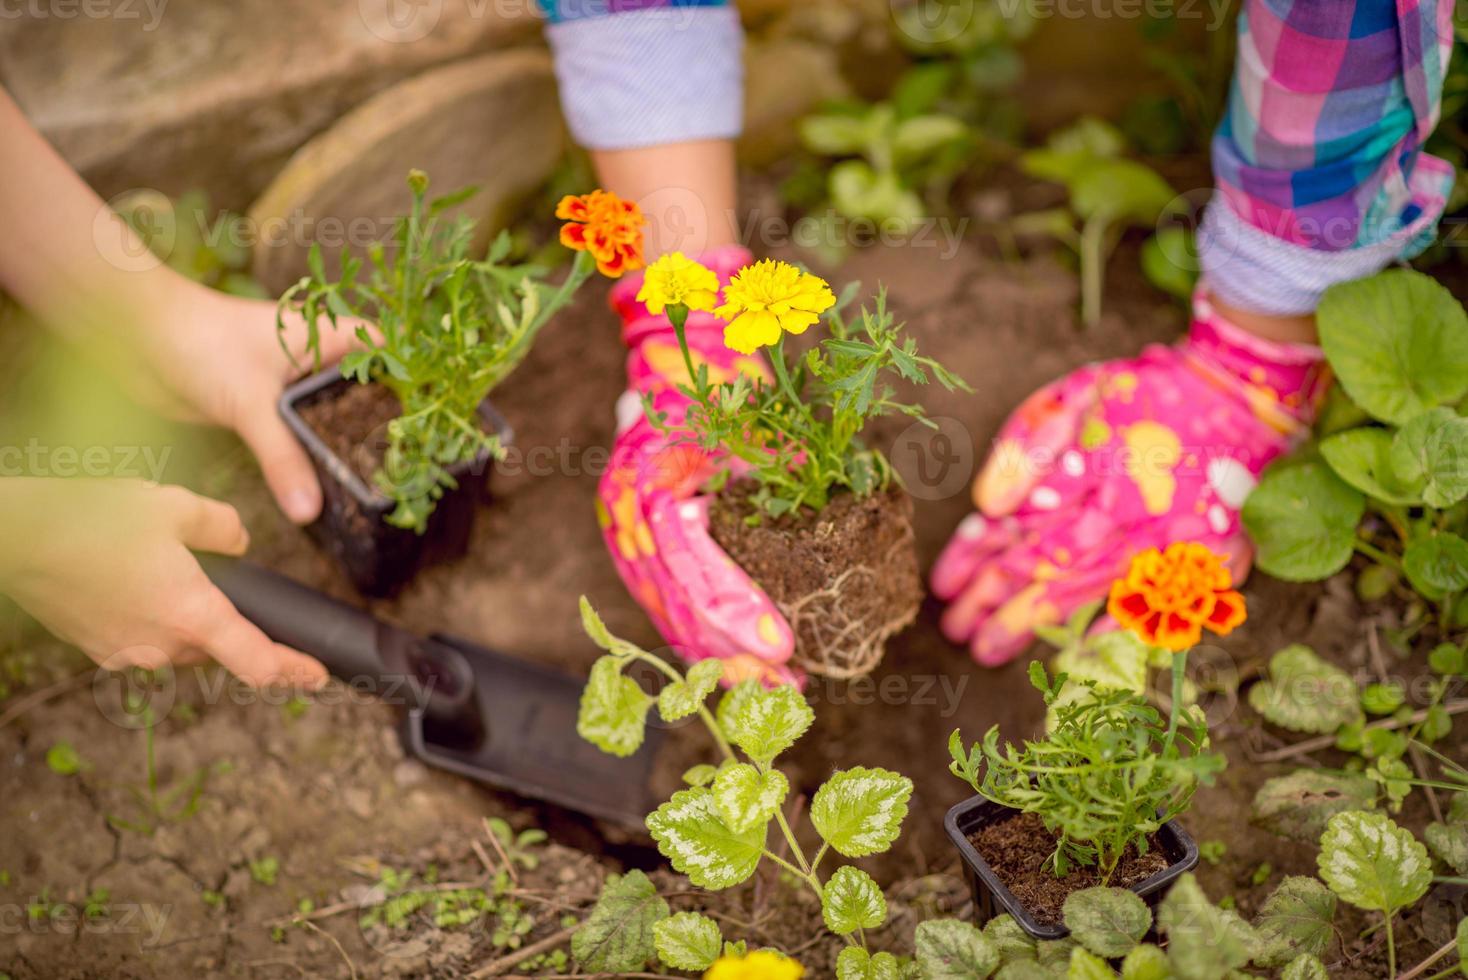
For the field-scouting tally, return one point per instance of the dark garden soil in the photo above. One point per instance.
(325, 790)
(352, 421)
(845, 578)
(1018, 848)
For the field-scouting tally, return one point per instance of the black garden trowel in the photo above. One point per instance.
(472, 711)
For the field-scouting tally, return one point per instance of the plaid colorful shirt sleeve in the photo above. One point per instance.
(644, 72)
(1318, 162)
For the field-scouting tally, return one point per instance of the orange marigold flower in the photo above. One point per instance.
(1168, 597)
(606, 226)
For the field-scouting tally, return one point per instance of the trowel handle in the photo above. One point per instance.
(424, 676)
(344, 639)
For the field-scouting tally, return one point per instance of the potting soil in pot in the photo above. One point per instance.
(1018, 848)
(845, 578)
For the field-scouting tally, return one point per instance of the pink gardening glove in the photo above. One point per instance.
(655, 525)
(1116, 458)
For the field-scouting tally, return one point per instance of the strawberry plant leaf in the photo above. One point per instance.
(851, 900)
(1363, 458)
(746, 798)
(764, 722)
(1397, 341)
(1305, 693)
(949, 949)
(1107, 921)
(860, 811)
(1146, 962)
(1428, 450)
(1304, 967)
(1205, 942)
(618, 935)
(688, 941)
(1297, 918)
(613, 712)
(1370, 862)
(1303, 520)
(679, 699)
(690, 834)
(1299, 805)
(1085, 965)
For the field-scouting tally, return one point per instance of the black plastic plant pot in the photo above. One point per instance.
(992, 898)
(378, 557)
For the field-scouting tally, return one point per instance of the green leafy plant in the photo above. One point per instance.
(157, 804)
(1110, 772)
(449, 328)
(1375, 865)
(1108, 194)
(802, 435)
(64, 760)
(716, 831)
(1394, 453)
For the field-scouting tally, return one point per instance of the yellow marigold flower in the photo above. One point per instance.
(676, 280)
(1168, 597)
(769, 297)
(606, 226)
(759, 965)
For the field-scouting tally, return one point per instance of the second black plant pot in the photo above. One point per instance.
(992, 898)
(378, 557)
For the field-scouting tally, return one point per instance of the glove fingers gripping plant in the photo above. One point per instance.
(438, 330)
(816, 516)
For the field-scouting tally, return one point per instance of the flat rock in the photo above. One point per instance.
(216, 96)
(491, 121)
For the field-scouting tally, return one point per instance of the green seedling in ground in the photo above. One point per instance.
(63, 759)
(295, 708)
(516, 847)
(1212, 851)
(264, 871)
(215, 900)
(159, 805)
(95, 905)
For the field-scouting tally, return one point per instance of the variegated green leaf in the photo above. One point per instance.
(1204, 942)
(855, 963)
(1298, 805)
(1372, 863)
(618, 935)
(690, 834)
(688, 941)
(700, 775)
(1085, 965)
(947, 949)
(746, 798)
(860, 811)
(680, 699)
(1298, 917)
(1146, 962)
(764, 722)
(851, 900)
(1010, 938)
(1107, 921)
(1304, 967)
(1305, 693)
(613, 713)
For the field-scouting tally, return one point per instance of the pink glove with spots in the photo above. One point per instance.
(1116, 458)
(655, 525)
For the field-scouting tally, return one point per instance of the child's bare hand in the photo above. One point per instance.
(107, 565)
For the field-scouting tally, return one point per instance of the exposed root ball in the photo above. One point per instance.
(846, 578)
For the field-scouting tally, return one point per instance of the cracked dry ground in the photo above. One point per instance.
(327, 793)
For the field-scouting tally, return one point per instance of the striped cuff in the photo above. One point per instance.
(1253, 270)
(647, 77)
